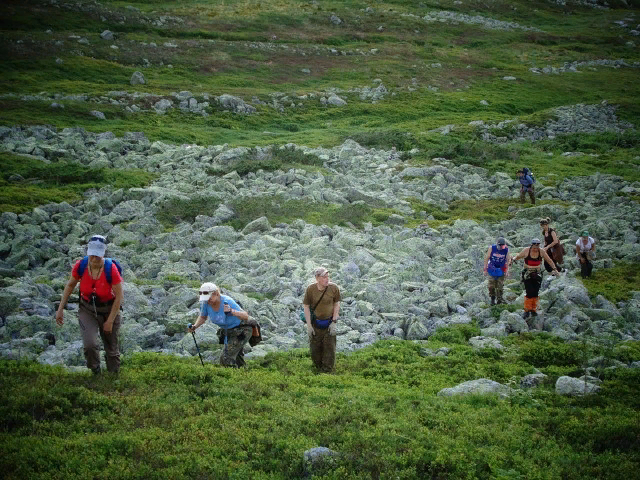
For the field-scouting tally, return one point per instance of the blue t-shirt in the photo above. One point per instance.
(224, 320)
(498, 257)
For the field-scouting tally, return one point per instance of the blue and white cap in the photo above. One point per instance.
(97, 246)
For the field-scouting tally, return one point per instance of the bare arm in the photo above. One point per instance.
(115, 308)
(522, 254)
(307, 317)
(548, 259)
(242, 315)
(68, 289)
(199, 322)
(486, 260)
(336, 311)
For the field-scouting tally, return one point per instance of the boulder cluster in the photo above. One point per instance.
(397, 282)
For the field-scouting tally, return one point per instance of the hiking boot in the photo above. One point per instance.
(96, 371)
(493, 300)
(534, 314)
(526, 315)
(501, 301)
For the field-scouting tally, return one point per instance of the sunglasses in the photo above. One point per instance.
(98, 239)
(207, 293)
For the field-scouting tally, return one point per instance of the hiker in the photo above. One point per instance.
(532, 275)
(526, 185)
(585, 253)
(552, 245)
(496, 266)
(100, 300)
(323, 299)
(225, 312)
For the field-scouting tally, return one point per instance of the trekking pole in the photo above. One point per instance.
(194, 341)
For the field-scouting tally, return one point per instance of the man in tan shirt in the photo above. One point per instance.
(323, 298)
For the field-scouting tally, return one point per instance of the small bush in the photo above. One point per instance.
(544, 350)
(455, 334)
(179, 210)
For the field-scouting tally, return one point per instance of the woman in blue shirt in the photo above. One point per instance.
(227, 314)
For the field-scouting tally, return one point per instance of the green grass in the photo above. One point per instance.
(177, 419)
(616, 284)
(56, 182)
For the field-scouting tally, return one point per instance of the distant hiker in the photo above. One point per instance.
(526, 185)
(585, 253)
(225, 312)
(496, 266)
(321, 308)
(532, 275)
(552, 245)
(100, 300)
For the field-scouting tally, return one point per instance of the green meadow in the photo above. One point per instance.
(171, 418)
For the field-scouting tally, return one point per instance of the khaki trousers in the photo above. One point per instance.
(323, 350)
(91, 323)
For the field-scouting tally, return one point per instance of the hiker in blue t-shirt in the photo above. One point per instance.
(496, 266)
(225, 312)
(526, 185)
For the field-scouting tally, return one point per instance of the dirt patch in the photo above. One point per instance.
(469, 37)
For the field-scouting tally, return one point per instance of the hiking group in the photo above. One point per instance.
(101, 296)
(498, 260)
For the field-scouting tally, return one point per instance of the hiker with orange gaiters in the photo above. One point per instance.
(532, 276)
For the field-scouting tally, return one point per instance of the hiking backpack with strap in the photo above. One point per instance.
(107, 267)
(528, 173)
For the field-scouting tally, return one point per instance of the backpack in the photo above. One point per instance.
(107, 267)
(528, 173)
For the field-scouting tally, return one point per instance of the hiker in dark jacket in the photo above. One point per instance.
(235, 323)
(551, 245)
(323, 298)
(526, 185)
(99, 308)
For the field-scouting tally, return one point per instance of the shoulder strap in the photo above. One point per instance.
(318, 302)
(83, 266)
(107, 269)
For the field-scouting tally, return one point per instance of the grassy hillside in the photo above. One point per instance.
(166, 417)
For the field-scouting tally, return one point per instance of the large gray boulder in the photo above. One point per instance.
(482, 386)
(575, 387)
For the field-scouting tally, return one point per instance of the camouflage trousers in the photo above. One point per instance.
(233, 352)
(496, 286)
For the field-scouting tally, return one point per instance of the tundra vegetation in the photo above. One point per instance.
(407, 71)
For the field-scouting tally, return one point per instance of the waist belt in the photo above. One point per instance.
(97, 303)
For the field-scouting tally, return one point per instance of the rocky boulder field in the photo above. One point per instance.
(397, 282)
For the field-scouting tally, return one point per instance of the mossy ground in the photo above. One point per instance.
(165, 417)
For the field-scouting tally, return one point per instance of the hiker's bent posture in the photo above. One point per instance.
(496, 266)
(100, 300)
(234, 323)
(321, 308)
(526, 185)
(532, 276)
(585, 252)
